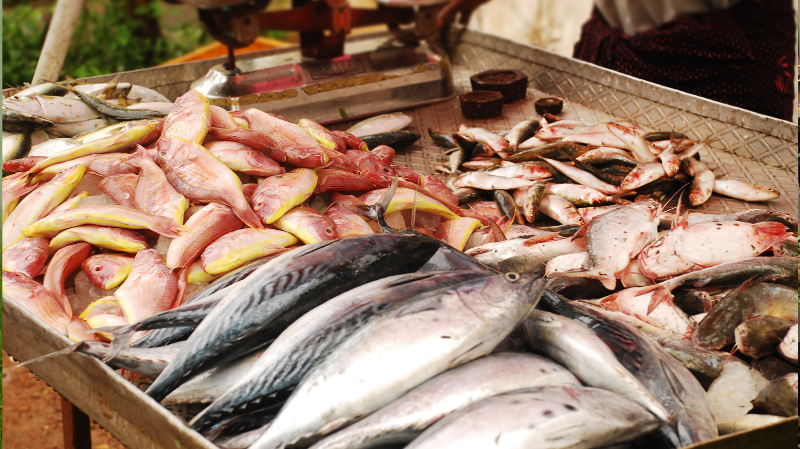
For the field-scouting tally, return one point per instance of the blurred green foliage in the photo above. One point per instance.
(108, 39)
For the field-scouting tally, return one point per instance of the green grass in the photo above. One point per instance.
(107, 39)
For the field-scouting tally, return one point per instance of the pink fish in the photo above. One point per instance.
(22, 164)
(189, 119)
(154, 194)
(103, 215)
(43, 305)
(26, 256)
(408, 174)
(251, 138)
(241, 158)
(348, 223)
(435, 186)
(220, 118)
(308, 225)
(301, 149)
(385, 153)
(108, 270)
(690, 248)
(368, 161)
(151, 287)
(198, 175)
(15, 187)
(323, 135)
(277, 194)
(65, 261)
(121, 188)
(340, 180)
(207, 225)
(236, 248)
(352, 141)
(457, 231)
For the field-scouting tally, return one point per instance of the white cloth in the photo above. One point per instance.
(636, 16)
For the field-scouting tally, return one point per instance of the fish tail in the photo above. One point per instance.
(68, 350)
(121, 338)
(248, 217)
(378, 210)
(171, 228)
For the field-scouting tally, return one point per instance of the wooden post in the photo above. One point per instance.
(77, 434)
(56, 44)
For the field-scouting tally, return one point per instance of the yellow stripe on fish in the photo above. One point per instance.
(404, 199)
(105, 237)
(457, 231)
(235, 249)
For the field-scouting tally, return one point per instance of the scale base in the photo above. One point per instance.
(391, 77)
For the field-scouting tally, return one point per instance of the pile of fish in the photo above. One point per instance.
(292, 286)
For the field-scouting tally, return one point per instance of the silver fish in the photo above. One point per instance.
(616, 237)
(448, 392)
(374, 367)
(15, 145)
(582, 352)
(53, 146)
(516, 255)
(544, 418)
(315, 334)
(277, 293)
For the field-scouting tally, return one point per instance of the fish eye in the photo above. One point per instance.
(98, 268)
(259, 204)
(386, 169)
(329, 231)
(163, 153)
(513, 277)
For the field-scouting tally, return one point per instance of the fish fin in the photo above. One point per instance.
(378, 210)
(121, 338)
(68, 350)
(581, 232)
(610, 298)
(499, 236)
(733, 351)
(662, 294)
(608, 282)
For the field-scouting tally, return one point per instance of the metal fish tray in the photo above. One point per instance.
(744, 145)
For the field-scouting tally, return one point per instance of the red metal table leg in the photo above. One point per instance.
(77, 434)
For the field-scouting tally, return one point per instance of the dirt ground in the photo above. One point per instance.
(32, 413)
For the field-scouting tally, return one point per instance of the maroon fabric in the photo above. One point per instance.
(742, 56)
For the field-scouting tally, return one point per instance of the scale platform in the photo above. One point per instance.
(372, 77)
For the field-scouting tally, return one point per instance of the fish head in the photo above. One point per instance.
(169, 152)
(26, 105)
(511, 295)
(308, 224)
(107, 270)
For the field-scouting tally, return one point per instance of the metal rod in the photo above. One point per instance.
(56, 44)
(231, 64)
(75, 423)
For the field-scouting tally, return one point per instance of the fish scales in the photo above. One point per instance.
(385, 367)
(292, 283)
(314, 335)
